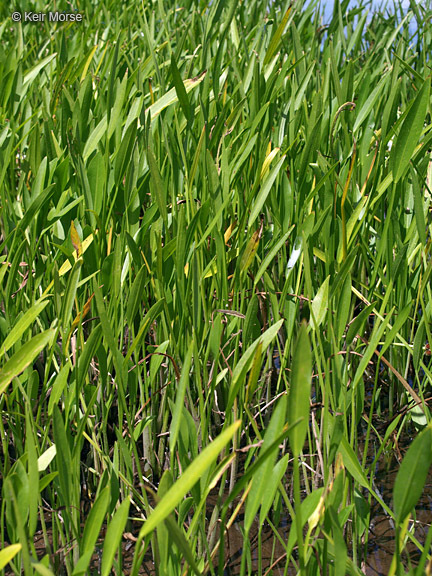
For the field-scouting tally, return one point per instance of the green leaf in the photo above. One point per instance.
(41, 569)
(34, 72)
(179, 403)
(309, 506)
(16, 494)
(149, 318)
(419, 208)
(44, 481)
(254, 373)
(24, 357)
(297, 103)
(38, 185)
(136, 295)
(94, 138)
(33, 476)
(117, 108)
(157, 359)
(410, 133)
(250, 251)
(309, 151)
(352, 464)
(271, 255)
(340, 549)
(180, 89)
(35, 207)
(125, 153)
(158, 185)
(83, 563)
(264, 192)
(88, 353)
(276, 38)
(63, 456)
(320, 304)
(343, 309)
(262, 480)
(108, 331)
(113, 536)
(369, 104)
(370, 350)
(95, 520)
(58, 387)
(46, 458)
(188, 479)
(214, 221)
(401, 318)
(412, 474)
(171, 96)
(21, 326)
(356, 325)
(176, 533)
(270, 491)
(243, 365)
(70, 293)
(299, 396)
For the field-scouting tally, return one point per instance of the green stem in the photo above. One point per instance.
(299, 524)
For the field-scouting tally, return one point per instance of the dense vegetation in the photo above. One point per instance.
(215, 300)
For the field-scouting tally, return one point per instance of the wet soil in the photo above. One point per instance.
(381, 546)
(376, 559)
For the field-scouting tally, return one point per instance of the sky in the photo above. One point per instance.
(327, 7)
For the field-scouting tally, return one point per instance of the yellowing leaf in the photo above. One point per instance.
(171, 96)
(84, 245)
(76, 242)
(250, 251)
(66, 266)
(269, 157)
(229, 231)
(87, 64)
(81, 315)
(8, 553)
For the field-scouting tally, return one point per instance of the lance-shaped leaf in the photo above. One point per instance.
(250, 251)
(24, 357)
(410, 132)
(187, 480)
(320, 304)
(171, 96)
(8, 553)
(264, 192)
(21, 326)
(412, 474)
(299, 404)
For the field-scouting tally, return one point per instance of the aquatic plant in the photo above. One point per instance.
(215, 298)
